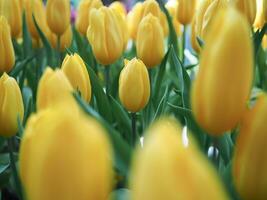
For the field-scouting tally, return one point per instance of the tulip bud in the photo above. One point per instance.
(185, 11)
(82, 21)
(53, 87)
(167, 169)
(7, 54)
(58, 15)
(171, 6)
(36, 8)
(119, 8)
(248, 8)
(150, 32)
(133, 18)
(134, 86)
(249, 162)
(219, 66)
(75, 70)
(65, 155)
(12, 11)
(11, 106)
(65, 39)
(105, 35)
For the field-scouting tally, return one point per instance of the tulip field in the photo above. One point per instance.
(133, 100)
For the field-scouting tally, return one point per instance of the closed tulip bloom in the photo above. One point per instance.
(119, 8)
(123, 26)
(166, 169)
(248, 8)
(249, 162)
(133, 19)
(105, 35)
(11, 106)
(65, 155)
(12, 11)
(259, 20)
(53, 87)
(171, 6)
(150, 32)
(185, 11)
(218, 67)
(134, 85)
(75, 70)
(82, 20)
(36, 8)
(65, 39)
(58, 15)
(7, 54)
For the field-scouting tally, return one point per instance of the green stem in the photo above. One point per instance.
(107, 79)
(58, 50)
(183, 45)
(134, 135)
(14, 168)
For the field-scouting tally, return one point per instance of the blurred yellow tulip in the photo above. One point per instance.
(119, 8)
(53, 87)
(171, 6)
(11, 106)
(133, 19)
(248, 8)
(134, 85)
(7, 53)
(65, 39)
(167, 169)
(218, 67)
(65, 155)
(249, 162)
(83, 17)
(150, 33)
(185, 11)
(11, 9)
(74, 68)
(259, 20)
(105, 35)
(58, 15)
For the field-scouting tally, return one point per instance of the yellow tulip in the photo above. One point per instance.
(82, 21)
(12, 11)
(249, 162)
(259, 20)
(36, 8)
(264, 6)
(123, 25)
(134, 85)
(53, 87)
(224, 80)
(11, 106)
(105, 35)
(171, 6)
(248, 8)
(150, 33)
(119, 7)
(7, 54)
(133, 19)
(75, 70)
(65, 39)
(185, 11)
(264, 41)
(166, 169)
(65, 155)
(58, 15)
(210, 9)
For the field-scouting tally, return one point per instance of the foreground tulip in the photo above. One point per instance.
(11, 106)
(248, 8)
(165, 169)
(105, 35)
(82, 21)
(58, 15)
(134, 86)
(65, 155)
(75, 69)
(53, 87)
(7, 54)
(36, 8)
(65, 39)
(218, 67)
(12, 11)
(150, 32)
(249, 163)
(185, 11)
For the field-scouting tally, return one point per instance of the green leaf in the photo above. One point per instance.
(47, 46)
(20, 66)
(225, 146)
(27, 41)
(120, 194)
(258, 35)
(200, 42)
(162, 104)
(122, 150)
